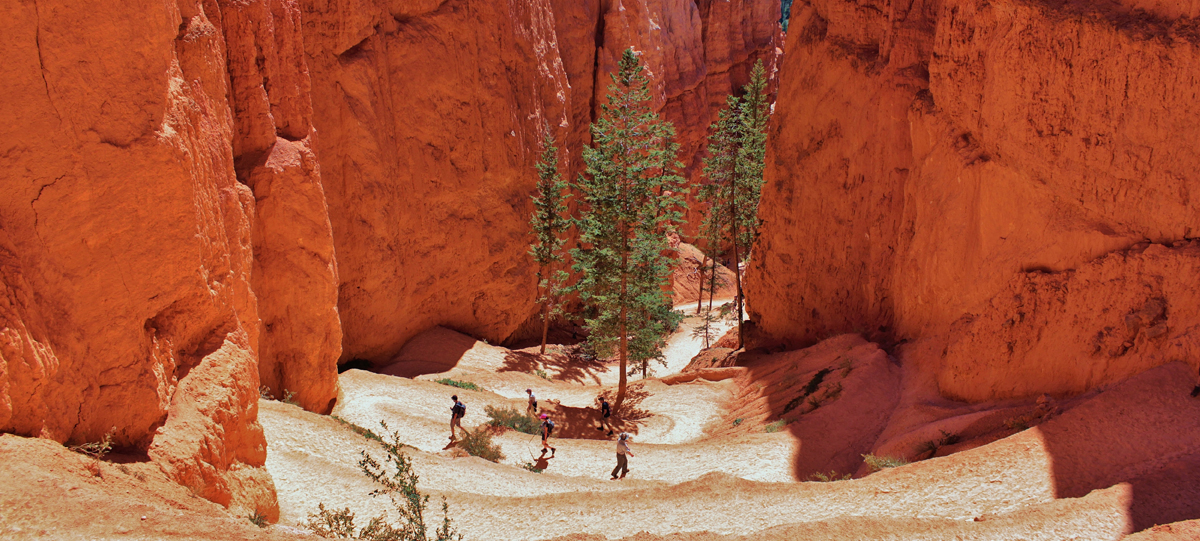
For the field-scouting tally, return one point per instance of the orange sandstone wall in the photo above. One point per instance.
(190, 213)
(161, 207)
(1008, 184)
(430, 117)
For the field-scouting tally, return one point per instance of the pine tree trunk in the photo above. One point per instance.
(545, 325)
(624, 352)
(712, 290)
(700, 299)
(737, 266)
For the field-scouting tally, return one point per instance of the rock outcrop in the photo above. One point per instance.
(986, 176)
(174, 234)
(430, 117)
(160, 209)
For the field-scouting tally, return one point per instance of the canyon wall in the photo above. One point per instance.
(161, 217)
(430, 117)
(209, 199)
(1006, 185)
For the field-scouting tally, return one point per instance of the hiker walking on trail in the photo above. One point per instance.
(547, 428)
(532, 408)
(622, 462)
(605, 413)
(457, 411)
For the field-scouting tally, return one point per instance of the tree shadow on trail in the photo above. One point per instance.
(558, 366)
(584, 423)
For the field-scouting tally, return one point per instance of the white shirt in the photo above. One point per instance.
(622, 447)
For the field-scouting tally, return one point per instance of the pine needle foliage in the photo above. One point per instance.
(549, 224)
(631, 196)
(397, 481)
(737, 152)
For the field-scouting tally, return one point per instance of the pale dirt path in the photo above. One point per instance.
(1003, 490)
(312, 461)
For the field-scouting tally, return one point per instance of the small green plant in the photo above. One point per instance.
(289, 398)
(397, 481)
(478, 442)
(738, 421)
(364, 432)
(827, 477)
(512, 418)
(258, 519)
(834, 391)
(776, 426)
(815, 401)
(1020, 423)
(532, 467)
(96, 449)
(932, 446)
(264, 393)
(877, 463)
(542, 374)
(460, 384)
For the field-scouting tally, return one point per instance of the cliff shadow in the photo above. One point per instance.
(431, 352)
(1143, 432)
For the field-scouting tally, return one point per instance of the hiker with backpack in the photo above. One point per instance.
(532, 408)
(622, 462)
(457, 412)
(605, 413)
(547, 428)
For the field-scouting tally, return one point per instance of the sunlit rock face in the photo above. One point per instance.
(1007, 183)
(162, 209)
(430, 117)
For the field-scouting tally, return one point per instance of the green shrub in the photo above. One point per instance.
(738, 421)
(478, 442)
(877, 463)
(776, 426)
(827, 477)
(258, 519)
(397, 481)
(460, 384)
(512, 418)
(541, 374)
(289, 398)
(364, 432)
(532, 467)
(96, 449)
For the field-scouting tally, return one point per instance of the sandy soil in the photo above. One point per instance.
(695, 477)
(1119, 460)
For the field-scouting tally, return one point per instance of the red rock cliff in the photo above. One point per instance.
(162, 213)
(169, 214)
(1006, 182)
(430, 115)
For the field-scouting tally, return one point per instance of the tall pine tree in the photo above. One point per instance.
(549, 223)
(631, 196)
(737, 149)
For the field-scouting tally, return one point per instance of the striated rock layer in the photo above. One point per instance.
(174, 235)
(163, 233)
(1006, 182)
(430, 117)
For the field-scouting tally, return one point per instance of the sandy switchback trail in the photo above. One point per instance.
(696, 471)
